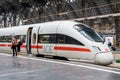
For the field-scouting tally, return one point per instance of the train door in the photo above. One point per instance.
(28, 45)
(34, 40)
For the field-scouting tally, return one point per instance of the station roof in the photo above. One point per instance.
(34, 11)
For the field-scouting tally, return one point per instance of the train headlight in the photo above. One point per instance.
(96, 48)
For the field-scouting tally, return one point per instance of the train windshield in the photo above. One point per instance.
(88, 33)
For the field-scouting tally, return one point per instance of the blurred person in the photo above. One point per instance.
(111, 46)
(109, 43)
(13, 47)
(19, 43)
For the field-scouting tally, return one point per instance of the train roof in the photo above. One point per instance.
(22, 30)
(14, 30)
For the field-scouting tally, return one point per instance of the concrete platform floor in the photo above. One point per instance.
(116, 57)
(32, 68)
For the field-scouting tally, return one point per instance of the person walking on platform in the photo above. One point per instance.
(109, 43)
(14, 47)
(18, 46)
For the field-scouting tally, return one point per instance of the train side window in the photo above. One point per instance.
(43, 38)
(23, 38)
(34, 38)
(53, 38)
(47, 38)
(9, 38)
(70, 40)
(61, 39)
(17, 36)
(3, 39)
(0, 38)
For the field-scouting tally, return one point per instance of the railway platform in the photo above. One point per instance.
(34, 68)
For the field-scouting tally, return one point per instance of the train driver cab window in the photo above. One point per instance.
(88, 33)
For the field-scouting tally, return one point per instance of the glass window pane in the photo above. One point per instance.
(61, 39)
(88, 33)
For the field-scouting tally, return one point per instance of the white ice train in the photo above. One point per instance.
(68, 39)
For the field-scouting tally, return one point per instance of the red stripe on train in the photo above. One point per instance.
(71, 49)
(2, 44)
(34, 46)
(23, 46)
(9, 45)
(55, 48)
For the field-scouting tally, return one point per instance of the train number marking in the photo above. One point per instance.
(48, 49)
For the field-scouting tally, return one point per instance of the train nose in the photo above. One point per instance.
(104, 58)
